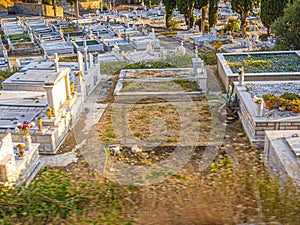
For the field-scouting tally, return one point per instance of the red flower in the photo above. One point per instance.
(24, 127)
(26, 122)
(19, 127)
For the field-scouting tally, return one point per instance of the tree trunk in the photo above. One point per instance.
(76, 5)
(191, 18)
(203, 17)
(54, 7)
(169, 14)
(244, 23)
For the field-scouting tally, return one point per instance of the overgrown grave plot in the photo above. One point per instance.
(157, 126)
(159, 110)
(157, 81)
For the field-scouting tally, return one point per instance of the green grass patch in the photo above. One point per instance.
(55, 198)
(18, 36)
(210, 58)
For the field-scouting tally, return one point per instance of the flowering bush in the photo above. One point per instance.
(24, 127)
(295, 104)
(269, 97)
(257, 100)
(78, 73)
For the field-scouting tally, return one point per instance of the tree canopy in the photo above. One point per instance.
(170, 5)
(76, 6)
(243, 8)
(287, 28)
(270, 11)
(186, 7)
(212, 12)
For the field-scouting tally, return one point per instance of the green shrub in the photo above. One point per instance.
(173, 24)
(6, 74)
(206, 27)
(232, 25)
(290, 96)
(104, 6)
(55, 198)
(210, 58)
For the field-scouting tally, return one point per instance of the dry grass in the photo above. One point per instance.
(138, 74)
(157, 122)
(176, 85)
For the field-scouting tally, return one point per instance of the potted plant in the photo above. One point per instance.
(270, 100)
(289, 97)
(282, 103)
(295, 106)
(259, 106)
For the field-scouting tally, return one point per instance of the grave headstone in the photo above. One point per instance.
(196, 52)
(90, 60)
(153, 34)
(56, 59)
(181, 49)
(80, 61)
(85, 55)
(150, 47)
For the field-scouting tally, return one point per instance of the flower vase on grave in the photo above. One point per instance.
(24, 128)
(40, 123)
(27, 142)
(95, 58)
(259, 110)
(78, 77)
(20, 150)
(72, 87)
(241, 76)
(49, 113)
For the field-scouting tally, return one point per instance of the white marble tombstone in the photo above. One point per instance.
(150, 47)
(80, 61)
(56, 59)
(85, 55)
(153, 34)
(181, 49)
(90, 60)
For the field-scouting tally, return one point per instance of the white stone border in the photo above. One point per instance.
(122, 79)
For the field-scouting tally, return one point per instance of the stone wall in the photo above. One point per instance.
(35, 9)
(89, 5)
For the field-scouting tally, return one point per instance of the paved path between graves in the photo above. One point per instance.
(93, 112)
